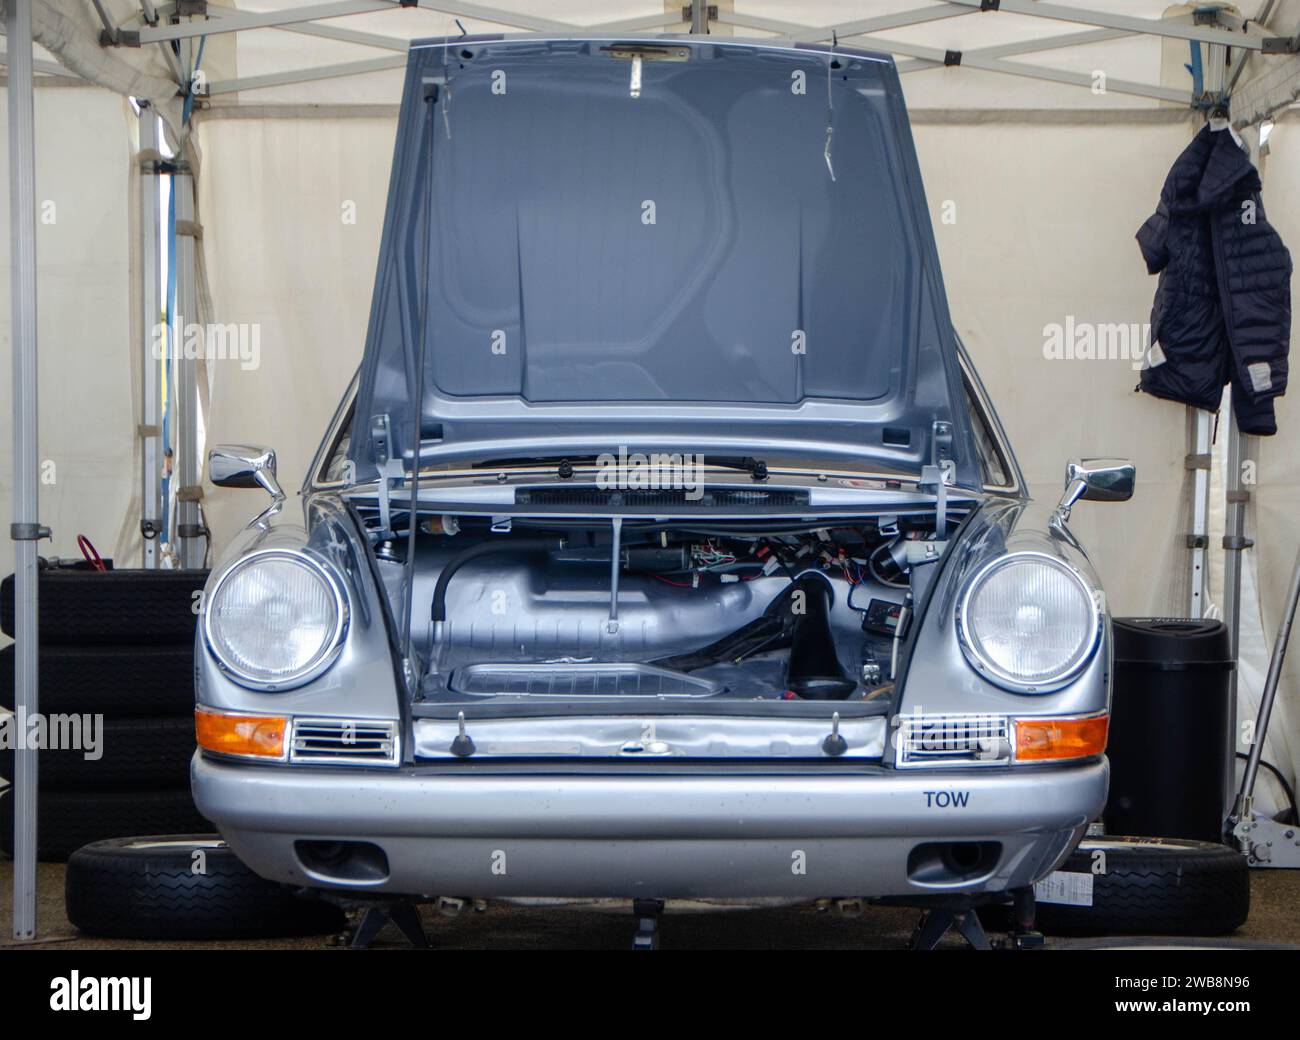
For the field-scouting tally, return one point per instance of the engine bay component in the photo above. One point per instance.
(547, 610)
(813, 671)
(438, 609)
(884, 618)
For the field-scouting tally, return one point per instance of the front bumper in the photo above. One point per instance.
(724, 833)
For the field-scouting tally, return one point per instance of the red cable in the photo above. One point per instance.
(669, 581)
(90, 553)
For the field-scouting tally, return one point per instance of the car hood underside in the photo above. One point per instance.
(659, 244)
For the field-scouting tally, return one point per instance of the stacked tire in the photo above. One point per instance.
(116, 673)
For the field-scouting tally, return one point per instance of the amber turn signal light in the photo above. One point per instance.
(259, 736)
(1054, 740)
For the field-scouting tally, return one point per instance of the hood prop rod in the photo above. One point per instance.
(615, 553)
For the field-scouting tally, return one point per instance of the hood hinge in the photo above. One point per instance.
(939, 473)
(390, 471)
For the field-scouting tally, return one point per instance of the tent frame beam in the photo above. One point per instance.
(1142, 26)
(1209, 26)
(978, 59)
(26, 529)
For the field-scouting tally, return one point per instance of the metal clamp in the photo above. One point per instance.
(1280, 45)
(28, 532)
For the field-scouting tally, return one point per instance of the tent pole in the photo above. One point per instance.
(1200, 424)
(699, 17)
(26, 529)
(189, 532)
(1234, 543)
(151, 313)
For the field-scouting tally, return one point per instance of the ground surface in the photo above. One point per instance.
(1274, 918)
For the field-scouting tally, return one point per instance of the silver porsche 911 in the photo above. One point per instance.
(666, 545)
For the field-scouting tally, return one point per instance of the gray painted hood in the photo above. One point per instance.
(700, 267)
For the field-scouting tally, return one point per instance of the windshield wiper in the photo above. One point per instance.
(756, 468)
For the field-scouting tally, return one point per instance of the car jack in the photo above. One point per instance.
(647, 913)
(405, 917)
(934, 925)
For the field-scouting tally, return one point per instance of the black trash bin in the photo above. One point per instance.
(1170, 728)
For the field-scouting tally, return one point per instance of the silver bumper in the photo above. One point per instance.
(872, 832)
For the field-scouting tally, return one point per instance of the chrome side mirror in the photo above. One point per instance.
(1096, 480)
(244, 466)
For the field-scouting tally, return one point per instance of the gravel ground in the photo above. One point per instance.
(1274, 918)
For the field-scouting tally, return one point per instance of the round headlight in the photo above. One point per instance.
(275, 619)
(1029, 622)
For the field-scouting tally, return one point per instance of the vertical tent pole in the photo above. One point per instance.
(26, 527)
(1200, 423)
(1234, 543)
(1237, 492)
(699, 17)
(186, 430)
(151, 311)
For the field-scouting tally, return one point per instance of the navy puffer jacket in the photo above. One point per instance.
(1222, 310)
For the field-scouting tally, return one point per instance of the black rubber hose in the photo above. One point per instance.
(439, 610)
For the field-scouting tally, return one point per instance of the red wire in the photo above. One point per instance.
(669, 581)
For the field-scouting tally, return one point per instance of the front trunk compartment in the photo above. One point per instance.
(647, 636)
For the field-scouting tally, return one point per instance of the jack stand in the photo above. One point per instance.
(934, 925)
(647, 913)
(1267, 843)
(1024, 911)
(403, 916)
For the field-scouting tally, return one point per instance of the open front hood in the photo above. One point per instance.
(665, 245)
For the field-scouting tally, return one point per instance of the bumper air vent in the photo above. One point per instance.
(953, 740)
(344, 742)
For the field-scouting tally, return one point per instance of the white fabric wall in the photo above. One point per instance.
(87, 362)
(1272, 516)
(273, 197)
(1045, 214)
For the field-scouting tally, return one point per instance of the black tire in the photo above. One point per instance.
(67, 820)
(127, 681)
(147, 888)
(1154, 886)
(134, 753)
(122, 607)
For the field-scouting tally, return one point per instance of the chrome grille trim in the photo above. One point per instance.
(953, 740)
(345, 742)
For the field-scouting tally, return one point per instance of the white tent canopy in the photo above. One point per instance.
(1044, 132)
